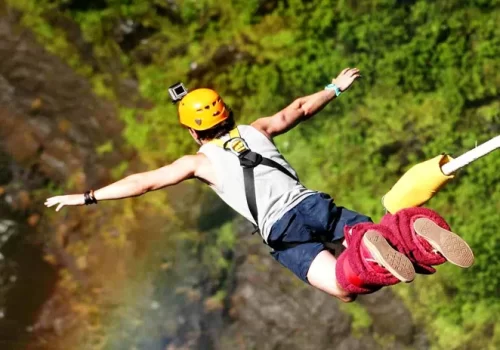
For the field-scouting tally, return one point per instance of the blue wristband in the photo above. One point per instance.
(334, 88)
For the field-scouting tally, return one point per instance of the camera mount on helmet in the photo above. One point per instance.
(177, 92)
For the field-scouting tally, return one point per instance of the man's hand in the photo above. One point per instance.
(345, 79)
(72, 199)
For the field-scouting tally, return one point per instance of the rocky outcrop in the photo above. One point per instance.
(271, 309)
(50, 119)
(50, 126)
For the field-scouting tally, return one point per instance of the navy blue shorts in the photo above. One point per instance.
(315, 216)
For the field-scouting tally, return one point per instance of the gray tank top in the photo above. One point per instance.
(276, 193)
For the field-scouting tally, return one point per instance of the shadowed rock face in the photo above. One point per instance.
(50, 125)
(271, 309)
(49, 117)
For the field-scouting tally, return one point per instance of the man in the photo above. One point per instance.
(242, 165)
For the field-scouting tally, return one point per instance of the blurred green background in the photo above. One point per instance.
(84, 102)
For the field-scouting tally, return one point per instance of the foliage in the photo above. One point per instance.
(431, 83)
(361, 320)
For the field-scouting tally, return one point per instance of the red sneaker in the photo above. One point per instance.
(376, 249)
(370, 262)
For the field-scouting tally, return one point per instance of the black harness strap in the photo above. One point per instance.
(249, 182)
(248, 161)
(271, 163)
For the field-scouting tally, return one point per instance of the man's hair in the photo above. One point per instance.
(217, 131)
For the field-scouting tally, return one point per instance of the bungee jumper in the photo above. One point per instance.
(336, 250)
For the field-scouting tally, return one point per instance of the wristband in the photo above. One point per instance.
(334, 88)
(89, 197)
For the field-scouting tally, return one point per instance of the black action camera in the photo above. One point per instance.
(177, 92)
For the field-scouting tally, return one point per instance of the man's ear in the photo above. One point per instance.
(194, 134)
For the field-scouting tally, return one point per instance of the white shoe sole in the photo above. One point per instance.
(449, 244)
(395, 262)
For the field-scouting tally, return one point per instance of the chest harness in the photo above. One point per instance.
(248, 161)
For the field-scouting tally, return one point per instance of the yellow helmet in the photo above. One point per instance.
(202, 109)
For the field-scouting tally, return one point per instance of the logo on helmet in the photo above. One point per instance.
(197, 121)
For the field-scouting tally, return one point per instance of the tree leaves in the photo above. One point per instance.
(431, 82)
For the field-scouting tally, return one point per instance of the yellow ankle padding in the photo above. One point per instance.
(417, 185)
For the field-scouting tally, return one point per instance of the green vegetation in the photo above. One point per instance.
(361, 320)
(431, 83)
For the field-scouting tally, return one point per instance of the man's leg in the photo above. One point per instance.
(322, 275)
(368, 264)
(360, 270)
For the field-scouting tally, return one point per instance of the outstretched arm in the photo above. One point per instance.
(137, 184)
(305, 107)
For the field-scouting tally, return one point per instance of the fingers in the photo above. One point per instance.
(51, 201)
(350, 73)
(344, 71)
(354, 71)
(48, 203)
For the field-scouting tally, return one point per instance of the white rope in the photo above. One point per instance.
(472, 155)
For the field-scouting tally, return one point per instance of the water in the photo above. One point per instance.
(26, 280)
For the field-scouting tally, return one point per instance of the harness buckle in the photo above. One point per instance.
(236, 146)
